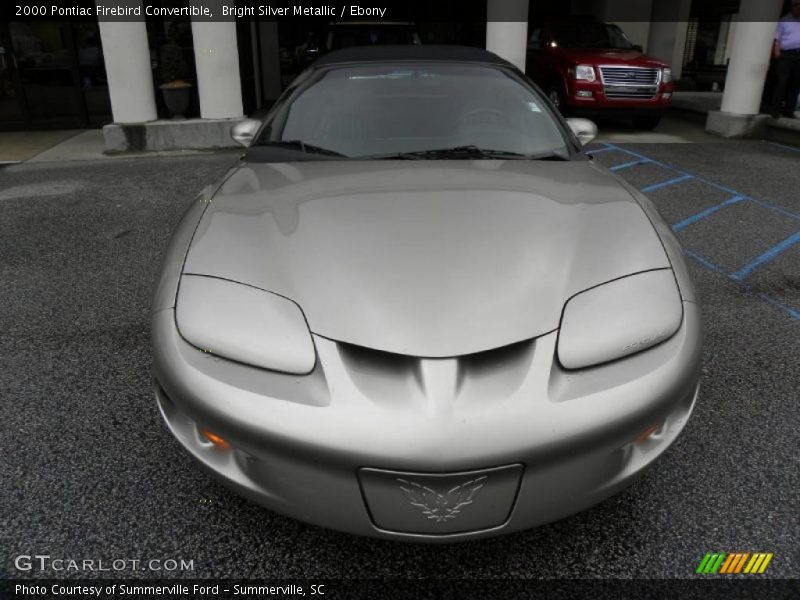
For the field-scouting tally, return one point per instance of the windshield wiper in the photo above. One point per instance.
(471, 152)
(465, 152)
(303, 147)
(454, 152)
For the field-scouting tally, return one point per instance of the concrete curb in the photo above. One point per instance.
(731, 125)
(194, 134)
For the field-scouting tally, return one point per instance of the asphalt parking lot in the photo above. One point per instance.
(88, 470)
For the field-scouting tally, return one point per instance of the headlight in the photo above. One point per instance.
(666, 75)
(585, 73)
(245, 324)
(619, 318)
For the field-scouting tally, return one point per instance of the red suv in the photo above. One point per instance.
(590, 68)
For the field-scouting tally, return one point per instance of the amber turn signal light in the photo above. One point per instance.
(215, 439)
(642, 437)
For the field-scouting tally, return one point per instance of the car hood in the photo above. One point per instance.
(599, 56)
(425, 258)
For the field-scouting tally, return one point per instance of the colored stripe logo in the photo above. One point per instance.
(745, 563)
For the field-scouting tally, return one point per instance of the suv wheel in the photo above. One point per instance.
(556, 96)
(646, 123)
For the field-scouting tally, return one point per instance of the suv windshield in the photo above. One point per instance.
(590, 35)
(376, 111)
(344, 36)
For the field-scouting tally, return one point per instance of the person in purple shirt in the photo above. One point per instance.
(786, 51)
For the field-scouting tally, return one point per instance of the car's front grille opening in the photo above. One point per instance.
(399, 380)
(632, 83)
(631, 94)
(629, 75)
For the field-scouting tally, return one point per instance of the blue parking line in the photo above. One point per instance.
(707, 212)
(731, 191)
(784, 146)
(639, 156)
(673, 181)
(705, 262)
(633, 163)
(740, 275)
(792, 312)
(766, 257)
(777, 209)
(599, 150)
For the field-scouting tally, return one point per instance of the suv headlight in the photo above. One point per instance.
(666, 75)
(619, 318)
(245, 324)
(585, 73)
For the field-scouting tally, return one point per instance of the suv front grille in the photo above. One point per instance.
(634, 83)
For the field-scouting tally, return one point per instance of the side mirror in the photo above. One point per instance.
(584, 129)
(638, 48)
(244, 131)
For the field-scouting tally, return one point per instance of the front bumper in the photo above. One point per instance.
(355, 444)
(590, 99)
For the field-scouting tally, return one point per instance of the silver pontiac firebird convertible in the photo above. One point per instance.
(416, 310)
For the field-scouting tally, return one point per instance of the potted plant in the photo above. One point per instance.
(175, 89)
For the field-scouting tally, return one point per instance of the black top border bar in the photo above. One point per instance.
(336, 10)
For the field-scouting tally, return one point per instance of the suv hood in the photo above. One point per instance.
(599, 56)
(425, 258)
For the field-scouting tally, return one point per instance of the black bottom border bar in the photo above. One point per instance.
(705, 588)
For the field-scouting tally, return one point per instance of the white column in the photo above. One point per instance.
(750, 53)
(217, 62)
(130, 79)
(507, 38)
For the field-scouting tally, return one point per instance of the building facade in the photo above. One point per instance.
(128, 75)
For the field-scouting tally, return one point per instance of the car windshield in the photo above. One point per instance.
(590, 35)
(375, 111)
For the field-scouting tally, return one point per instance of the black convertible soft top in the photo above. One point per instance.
(410, 52)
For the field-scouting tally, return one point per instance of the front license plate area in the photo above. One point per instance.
(440, 503)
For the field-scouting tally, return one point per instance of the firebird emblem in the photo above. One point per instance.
(441, 507)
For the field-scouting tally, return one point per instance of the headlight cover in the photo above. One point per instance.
(243, 323)
(585, 73)
(666, 75)
(619, 318)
